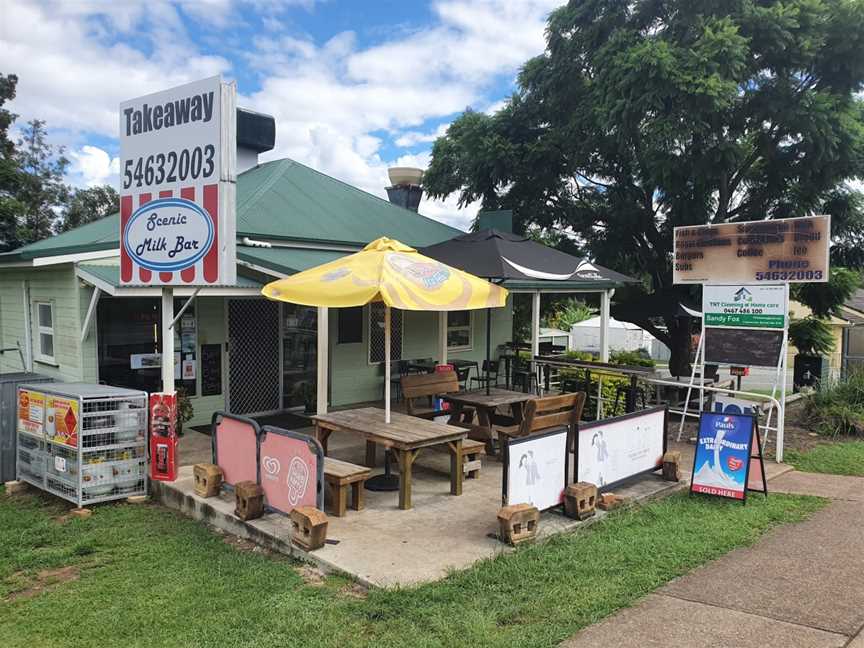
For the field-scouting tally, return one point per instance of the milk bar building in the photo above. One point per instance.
(64, 313)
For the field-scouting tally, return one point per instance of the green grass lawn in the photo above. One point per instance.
(835, 458)
(148, 577)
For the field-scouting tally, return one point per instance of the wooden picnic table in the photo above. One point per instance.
(486, 404)
(406, 435)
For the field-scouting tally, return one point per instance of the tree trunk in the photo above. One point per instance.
(680, 347)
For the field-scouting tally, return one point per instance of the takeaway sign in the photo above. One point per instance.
(745, 306)
(767, 251)
(177, 186)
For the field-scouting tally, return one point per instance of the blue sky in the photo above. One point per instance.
(355, 86)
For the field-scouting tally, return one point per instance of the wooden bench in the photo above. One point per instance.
(428, 386)
(545, 414)
(472, 450)
(339, 475)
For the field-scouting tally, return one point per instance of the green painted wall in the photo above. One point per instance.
(211, 330)
(55, 284)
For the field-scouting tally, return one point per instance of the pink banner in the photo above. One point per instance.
(289, 472)
(236, 450)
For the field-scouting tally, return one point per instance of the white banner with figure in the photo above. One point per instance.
(615, 449)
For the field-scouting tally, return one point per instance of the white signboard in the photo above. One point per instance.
(745, 306)
(177, 186)
(537, 470)
(771, 251)
(612, 450)
(728, 405)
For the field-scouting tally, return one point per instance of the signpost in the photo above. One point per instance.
(723, 454)
(178, 174)
(766, 251)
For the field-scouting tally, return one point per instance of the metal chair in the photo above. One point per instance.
(490, 366)
(524, 376)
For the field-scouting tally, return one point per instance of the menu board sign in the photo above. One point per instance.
(767, 251)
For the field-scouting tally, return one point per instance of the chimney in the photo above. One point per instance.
(256, 133)
(406, 190)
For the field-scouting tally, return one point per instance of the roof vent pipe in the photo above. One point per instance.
(406, 190)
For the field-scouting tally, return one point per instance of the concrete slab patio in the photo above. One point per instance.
(383, 545)
(801, 585)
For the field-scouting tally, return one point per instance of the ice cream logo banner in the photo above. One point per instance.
(722, 456)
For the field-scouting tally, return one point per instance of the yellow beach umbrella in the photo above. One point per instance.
(391, 272)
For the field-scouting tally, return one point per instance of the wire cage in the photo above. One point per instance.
(82, 442)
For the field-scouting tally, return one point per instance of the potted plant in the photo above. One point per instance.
(184, 410)
(812, 338)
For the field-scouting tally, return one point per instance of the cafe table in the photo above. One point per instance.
(405, 435)
(485, 406)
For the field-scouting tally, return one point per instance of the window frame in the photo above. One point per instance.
(45, 330)
(469, 327)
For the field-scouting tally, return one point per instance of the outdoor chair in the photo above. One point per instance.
(523, 376)
(462, 375)
(543, 414)
(481, 380)
(397, 370)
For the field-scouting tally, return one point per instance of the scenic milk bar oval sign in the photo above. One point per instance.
(168, 235)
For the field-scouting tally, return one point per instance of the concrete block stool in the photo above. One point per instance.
(580, 500)
(249, 498)
(518, 523)
(309, 527)
(208, 479)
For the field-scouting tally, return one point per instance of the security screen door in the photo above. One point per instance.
(254, 376)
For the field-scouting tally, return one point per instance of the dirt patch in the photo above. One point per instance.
(354, 590)
(242, 544)
(44, 580)
(311, 575)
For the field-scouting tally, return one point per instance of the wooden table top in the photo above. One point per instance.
(403, 431)
(495, 398)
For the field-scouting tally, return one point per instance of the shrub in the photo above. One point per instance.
(837, 408)
(811, 336)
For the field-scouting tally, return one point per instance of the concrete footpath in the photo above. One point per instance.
(800, 585)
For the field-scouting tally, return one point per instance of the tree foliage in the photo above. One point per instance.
(644, 115)
(88, 205)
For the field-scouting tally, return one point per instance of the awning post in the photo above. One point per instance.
(605, 299)
(322, 355)
(167, 340)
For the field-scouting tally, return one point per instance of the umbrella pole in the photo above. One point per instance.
(386, 363)
(488, 345)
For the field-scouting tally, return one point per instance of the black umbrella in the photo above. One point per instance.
(501, 256)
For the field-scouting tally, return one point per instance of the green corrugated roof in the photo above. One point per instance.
(287, 260)
(282, 199)
(110, 274)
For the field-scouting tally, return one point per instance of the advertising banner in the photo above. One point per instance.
(721, 462)
(31, 412)
(292, 469)
(61, 420)
(745, 306)
(612, 450)
(177, 186)
(235, 447)
(535, 470)
(728, 405)
(766, 251)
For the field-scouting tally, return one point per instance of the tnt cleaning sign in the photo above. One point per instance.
(722, 457)
(745, 306)
(177, 186)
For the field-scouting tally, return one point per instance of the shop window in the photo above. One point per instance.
(350, 325)
(376, 333)
(459, 335)
(45, 328)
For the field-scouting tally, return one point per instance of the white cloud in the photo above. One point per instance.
(336, 104)
(93, 166)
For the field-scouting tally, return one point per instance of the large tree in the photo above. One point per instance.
(88, 205)
(32, 187)
(643, 115)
